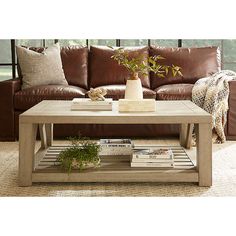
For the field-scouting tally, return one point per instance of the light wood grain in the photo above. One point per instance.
(119, 170)
(27, 136)
(189, 136)
(119, 176)
(49, 134)
(204, 153)
(185, 137)
(183, 134)
(42, 133)
(170, 112)
(111, 163)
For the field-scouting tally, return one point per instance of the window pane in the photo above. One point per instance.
(229, 47)
(165, 42)
(30, 42)
(230, 66)
(133, 42)
(200, 42)
(49, 42)
(5, 51)
(105, 42)
(5, 72)
(70, 42)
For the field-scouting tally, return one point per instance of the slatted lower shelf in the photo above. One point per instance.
(114, 169)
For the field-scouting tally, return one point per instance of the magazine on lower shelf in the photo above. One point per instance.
(154, 165)
(152, 157)
(153, 154)
(116, 147)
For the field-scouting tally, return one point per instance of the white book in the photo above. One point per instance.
(151, 160)
(145, 164)
(153, 153)
(89, 102)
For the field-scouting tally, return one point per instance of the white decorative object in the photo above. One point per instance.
(97, 94)
(145, 105)
(134, 90)
(116, 147)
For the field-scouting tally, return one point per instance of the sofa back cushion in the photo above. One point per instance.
(74, 63)
(103, 70)
(196, 63)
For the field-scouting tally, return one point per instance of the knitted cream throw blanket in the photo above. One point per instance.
(211, 94)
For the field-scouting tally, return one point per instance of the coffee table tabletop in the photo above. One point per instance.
(40, 166)
(49, 111)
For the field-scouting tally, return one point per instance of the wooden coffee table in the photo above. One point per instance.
(40, 166)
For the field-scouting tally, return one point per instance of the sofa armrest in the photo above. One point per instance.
(231, 121)
(7, 90)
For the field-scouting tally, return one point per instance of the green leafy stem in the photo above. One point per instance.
(140, 66)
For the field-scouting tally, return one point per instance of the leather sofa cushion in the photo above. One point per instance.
(74, 63)
(118, 91)
(174, 92)
(196, 63)
(27, 98)
(103, 70)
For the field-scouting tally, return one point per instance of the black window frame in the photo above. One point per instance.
(13, 63)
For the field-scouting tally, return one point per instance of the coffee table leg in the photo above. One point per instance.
(27, 137)
(185, 136)
(49, 134)
(204, 153)
(42, 132)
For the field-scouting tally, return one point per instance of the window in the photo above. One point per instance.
(165, 42)
(5, 51)
(5, 60)
(70, 42)
(229, 66)
(200, 42)
(229, 56)
(5, 72)
(133, 42)
(8, 60)
(49, 42)
(105, 42)
(30, 42)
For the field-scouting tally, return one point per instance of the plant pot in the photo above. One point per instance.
(88, 165)
(134, 90)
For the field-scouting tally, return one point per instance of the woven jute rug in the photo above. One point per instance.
(224, 178)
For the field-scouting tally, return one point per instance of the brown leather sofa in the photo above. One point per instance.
(86, 68)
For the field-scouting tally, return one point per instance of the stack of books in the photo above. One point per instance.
(86, 104)
(116, 147)
(152, 157)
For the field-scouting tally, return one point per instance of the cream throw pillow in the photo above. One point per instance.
(41, 68)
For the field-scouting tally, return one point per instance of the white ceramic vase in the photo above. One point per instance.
(134, 90)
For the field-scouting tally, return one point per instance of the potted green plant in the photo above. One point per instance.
(138, 66)
(82, 154)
